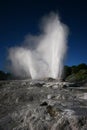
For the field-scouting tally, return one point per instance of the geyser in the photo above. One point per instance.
(42, 56)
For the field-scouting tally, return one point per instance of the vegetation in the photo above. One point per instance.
(71, 73)
(5, 76)
(76, 73)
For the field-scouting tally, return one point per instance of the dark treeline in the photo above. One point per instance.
(75, 73)
(5, 76)
(71, 73)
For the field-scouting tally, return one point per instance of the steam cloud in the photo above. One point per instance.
(42, 56)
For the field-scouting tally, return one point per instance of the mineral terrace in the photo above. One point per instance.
(42, 105)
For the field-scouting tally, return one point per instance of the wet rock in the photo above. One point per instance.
(55, 86)
(53, 111)
(37, 84)
(50, 79)
(44, 104)
(49, 96)
(62, 125)
(36, 105)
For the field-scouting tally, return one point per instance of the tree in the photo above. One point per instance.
(74, 69)
(67, 71)
(2, 75)
(82, 66)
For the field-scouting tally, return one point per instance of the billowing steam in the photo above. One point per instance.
(42, 56)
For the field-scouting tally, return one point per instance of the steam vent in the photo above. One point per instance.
(44, 53)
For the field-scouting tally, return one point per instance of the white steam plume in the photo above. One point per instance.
(42, 56)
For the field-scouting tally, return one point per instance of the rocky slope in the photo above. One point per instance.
(42, 105)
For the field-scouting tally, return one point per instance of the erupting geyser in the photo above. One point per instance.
(42, 56)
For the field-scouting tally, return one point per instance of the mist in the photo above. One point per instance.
(43, 55)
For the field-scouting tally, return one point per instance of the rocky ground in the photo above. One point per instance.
(42, 105)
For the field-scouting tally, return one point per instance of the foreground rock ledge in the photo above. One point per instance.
(42, 105)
